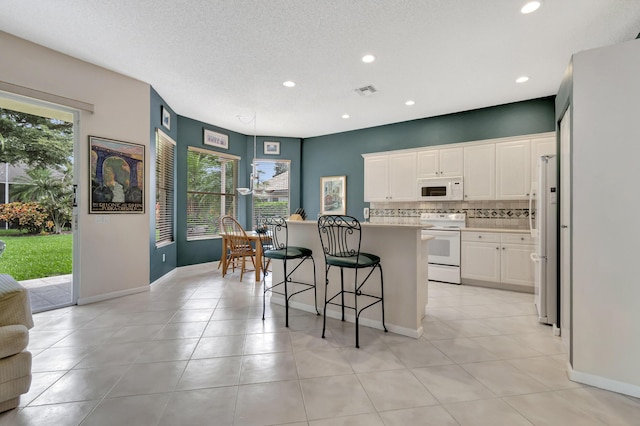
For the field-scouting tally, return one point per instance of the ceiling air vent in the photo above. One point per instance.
(366, 90)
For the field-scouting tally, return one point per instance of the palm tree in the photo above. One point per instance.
(52, 190)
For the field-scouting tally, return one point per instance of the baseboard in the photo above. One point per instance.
(165, 277)
(113, 295)
(603, 382)
(498, 286)
(351, 318)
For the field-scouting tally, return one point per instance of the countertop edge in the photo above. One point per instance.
(497, 230)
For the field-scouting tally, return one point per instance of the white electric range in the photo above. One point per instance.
(444, 249)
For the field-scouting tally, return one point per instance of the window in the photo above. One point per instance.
(165, 183)
(211, 183)
(271, 197)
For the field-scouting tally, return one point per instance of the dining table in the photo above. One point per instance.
(254, 239)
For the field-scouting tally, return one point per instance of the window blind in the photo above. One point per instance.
(211, 183)
(165, 184)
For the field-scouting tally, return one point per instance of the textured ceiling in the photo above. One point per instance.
(215, 60)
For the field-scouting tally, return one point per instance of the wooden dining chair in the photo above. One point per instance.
(238, 245)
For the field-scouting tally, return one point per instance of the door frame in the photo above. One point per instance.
(75, 113)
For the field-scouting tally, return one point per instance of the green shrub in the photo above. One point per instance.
(30, 217)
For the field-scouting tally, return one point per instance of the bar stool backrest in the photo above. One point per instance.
(274, 233)
(340, 235)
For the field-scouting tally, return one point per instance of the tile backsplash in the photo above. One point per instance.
(480, 214)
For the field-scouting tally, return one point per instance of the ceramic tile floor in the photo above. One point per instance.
(195, 351)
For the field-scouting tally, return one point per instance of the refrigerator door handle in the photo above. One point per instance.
(531, 230)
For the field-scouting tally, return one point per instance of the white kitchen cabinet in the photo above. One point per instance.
(539, 147)
(513, 170)
(390, 177)
(480, 260)
(502, 258)
(480, 172)
(440, 163)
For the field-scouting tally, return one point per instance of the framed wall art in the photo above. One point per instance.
(271, 148)
(117, 176)
(166, 118)
(219, 140)
(333, 195)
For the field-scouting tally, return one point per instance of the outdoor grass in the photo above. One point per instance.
(36, 256)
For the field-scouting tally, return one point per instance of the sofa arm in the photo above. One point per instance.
(13, 339)
(15, 307)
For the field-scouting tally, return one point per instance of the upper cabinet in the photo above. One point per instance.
(480, 172)
(500, 170)
(390, 177)
(541, 146)
(513, 170)
(440, 162)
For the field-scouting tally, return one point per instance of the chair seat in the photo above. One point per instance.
(364, 260)
(290, 252)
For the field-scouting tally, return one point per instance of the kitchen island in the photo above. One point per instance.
(403, 252)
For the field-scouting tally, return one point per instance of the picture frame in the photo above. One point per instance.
(116, 176)
(271, 148)
(166, 118)
(333, 195)
(219, 140)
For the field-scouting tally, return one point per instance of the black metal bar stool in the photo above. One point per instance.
(274, 237)
(341, 238)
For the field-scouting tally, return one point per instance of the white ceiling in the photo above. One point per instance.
(215, 60)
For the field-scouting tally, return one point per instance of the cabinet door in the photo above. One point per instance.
(513, 170)
(428, 163)
(376, 170)
(516, 264)
(480, 261)
(541, 146)
(480, 172)
(402, 177)
(451, 162)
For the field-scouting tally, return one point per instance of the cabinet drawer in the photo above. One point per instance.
(488, 237)
(517, 239)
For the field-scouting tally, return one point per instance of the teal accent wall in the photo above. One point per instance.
(340, 154)
(191, 133)
(157, 267)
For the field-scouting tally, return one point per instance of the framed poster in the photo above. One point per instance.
(166, 118)
(271, 148)
(117, 176)
(333, 195)
(219, 140)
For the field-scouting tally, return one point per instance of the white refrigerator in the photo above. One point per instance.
(545, 196)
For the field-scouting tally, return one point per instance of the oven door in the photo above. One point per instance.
(444, 249)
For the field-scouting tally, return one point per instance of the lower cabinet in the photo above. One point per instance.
(498, 258)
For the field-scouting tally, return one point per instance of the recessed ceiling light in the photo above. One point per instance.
(409, 103)
(367, 59)
(288, 83)
(531, 6)
(345, 116)
(522, 79)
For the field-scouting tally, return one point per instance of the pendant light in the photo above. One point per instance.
(253, 175)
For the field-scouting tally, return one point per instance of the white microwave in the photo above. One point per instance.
(440, 189)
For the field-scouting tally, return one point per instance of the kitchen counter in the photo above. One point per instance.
(403, 252)
(500, 230)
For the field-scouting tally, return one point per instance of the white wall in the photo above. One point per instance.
(606, 229)
(114, 256)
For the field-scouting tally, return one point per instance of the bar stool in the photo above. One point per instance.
(274, 237)
(341, 238)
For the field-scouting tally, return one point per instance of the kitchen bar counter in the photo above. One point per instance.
(403, 252)
(499, 230)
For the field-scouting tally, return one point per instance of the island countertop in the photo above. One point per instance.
(403, 252)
